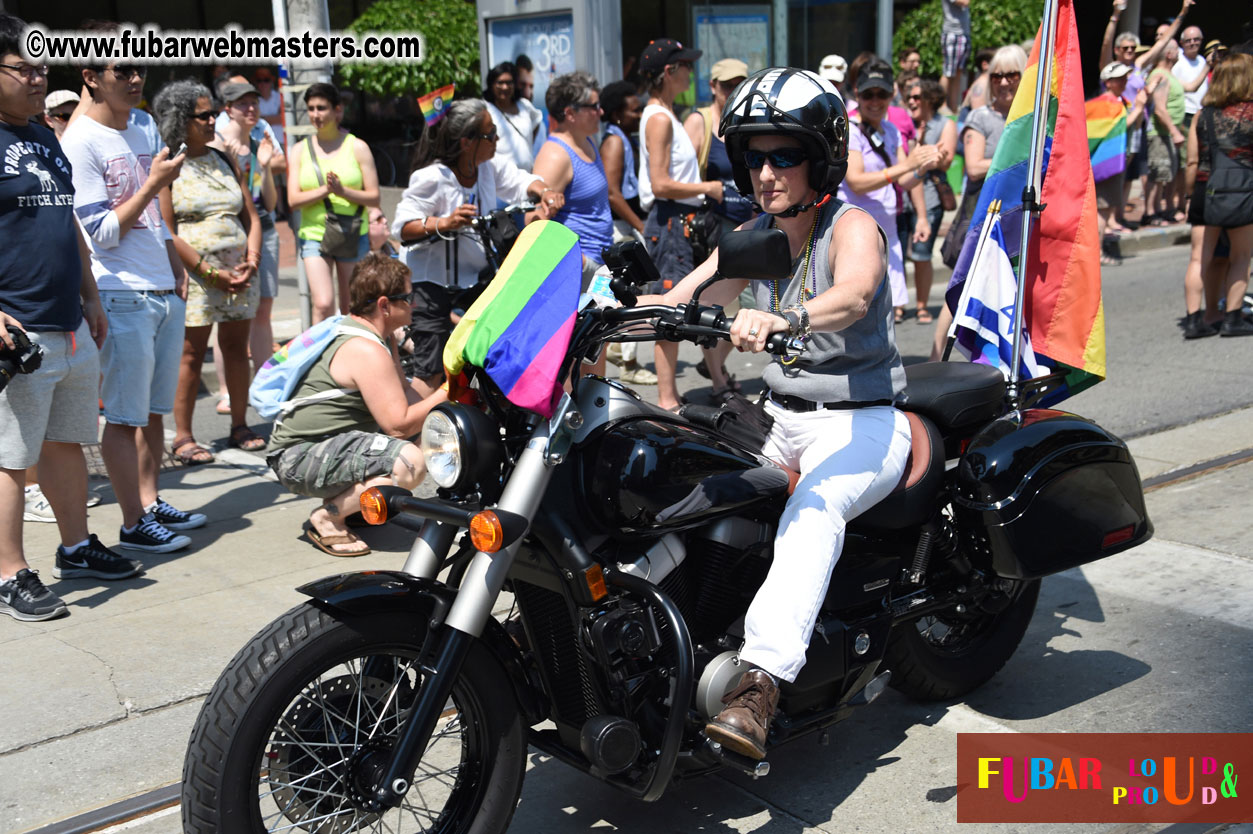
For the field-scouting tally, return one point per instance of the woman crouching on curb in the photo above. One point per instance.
(335, 448)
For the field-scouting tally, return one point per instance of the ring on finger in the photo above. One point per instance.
(753, 332)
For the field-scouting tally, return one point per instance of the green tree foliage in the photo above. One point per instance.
(993, 23)
(450, 33)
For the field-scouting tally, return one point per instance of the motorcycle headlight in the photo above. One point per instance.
(442, 449)
(462, 449)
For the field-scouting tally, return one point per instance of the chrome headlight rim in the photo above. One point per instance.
(443, 445)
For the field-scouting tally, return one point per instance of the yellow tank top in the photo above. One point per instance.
(344, 163)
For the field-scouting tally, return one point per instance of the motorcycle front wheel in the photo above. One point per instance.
(947, 655)
(309, 709)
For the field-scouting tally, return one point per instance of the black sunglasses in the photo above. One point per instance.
(127, 71)
(60, 117)
(1004, 76)
(778, 158)
(405, 297)
(874, 93)
(491, 137)
(205, 115)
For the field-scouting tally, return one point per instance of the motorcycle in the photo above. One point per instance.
(633, 540)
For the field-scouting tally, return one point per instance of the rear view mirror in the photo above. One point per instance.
(755, 254)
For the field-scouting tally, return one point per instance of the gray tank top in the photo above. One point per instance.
(859, 364)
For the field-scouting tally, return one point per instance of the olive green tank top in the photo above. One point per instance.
(325, 418)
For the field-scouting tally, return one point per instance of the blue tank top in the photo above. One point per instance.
(718, 167)
(630, 179)
(586, 212)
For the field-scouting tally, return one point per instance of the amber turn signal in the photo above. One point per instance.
(486, 532)
(595, 578)
(374, 506)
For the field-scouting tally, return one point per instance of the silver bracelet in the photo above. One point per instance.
(442, 236)
(804, 331)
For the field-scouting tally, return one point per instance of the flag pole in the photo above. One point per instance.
(1031, 206)
(994, 209)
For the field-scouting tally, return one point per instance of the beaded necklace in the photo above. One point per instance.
(809, 274)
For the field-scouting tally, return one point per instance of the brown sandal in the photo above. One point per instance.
(190, 453)
(327, 543)
(245, 438)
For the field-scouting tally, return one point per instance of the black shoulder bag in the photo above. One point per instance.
(1229, 189)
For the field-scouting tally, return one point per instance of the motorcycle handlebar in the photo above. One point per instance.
(673, 323)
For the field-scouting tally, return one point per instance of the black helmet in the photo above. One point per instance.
(795, 103)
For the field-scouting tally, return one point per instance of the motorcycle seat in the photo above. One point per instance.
(953, 395)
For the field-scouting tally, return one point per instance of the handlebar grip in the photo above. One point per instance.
(778, 344)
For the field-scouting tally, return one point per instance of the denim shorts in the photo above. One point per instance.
(141, 354)
(56, 402)
(313, 249)
(267, 271)
(922, 251)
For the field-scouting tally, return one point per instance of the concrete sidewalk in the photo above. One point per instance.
(98, 706)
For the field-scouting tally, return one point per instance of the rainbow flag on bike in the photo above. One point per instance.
(519, 329)
(1064, 314)
(435, 104)
(1107, 136)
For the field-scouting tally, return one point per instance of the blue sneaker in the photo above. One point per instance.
(151, 535)
(172, 518)
(95, 560)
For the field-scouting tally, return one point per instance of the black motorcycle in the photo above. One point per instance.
(633, 540)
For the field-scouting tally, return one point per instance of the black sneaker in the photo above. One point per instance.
(93, 559)
(151, 535)
(25, 598)
(172, 518)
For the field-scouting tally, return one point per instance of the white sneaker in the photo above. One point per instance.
(639, 375)
(37, 507)
(613, 353)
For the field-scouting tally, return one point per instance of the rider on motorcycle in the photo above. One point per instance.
(834, 422)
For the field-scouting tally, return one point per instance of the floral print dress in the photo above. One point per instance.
(207, 206)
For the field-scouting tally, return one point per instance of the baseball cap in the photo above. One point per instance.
(233, 91)
(1114, 69)
(58, 97)
(664, 51)
(728, 69)
(833, 68)
(875, 75)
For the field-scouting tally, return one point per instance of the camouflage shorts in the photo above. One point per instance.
(328, 467)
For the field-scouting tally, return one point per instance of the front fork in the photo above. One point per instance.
(477, 594)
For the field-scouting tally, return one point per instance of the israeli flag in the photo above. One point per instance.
(984, 321)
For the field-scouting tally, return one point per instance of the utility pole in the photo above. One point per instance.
(298, 17)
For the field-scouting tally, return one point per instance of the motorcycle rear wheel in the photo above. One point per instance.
(945, 656)
(311, 705)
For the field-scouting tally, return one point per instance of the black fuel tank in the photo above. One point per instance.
(647, 475)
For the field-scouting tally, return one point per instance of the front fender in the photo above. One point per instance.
(384, 590)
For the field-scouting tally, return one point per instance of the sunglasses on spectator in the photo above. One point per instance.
(60, 117)
(127, 71)
(997, 77)
(778, 158)
(205, 115)
(30, 72)
(405, 297)
(490, 137)
(875, 94)
(595, 106)
(914, 97)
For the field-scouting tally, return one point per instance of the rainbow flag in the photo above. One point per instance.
(435, 104)
(520, 327)
(1064, 314)
(1107, 136)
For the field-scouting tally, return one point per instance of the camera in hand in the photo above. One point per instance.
(23, 358)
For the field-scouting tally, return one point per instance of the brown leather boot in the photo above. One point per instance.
(742, 726)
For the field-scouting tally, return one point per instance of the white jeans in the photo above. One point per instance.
(848, 461)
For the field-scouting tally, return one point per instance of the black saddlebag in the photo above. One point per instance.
(1041, 491)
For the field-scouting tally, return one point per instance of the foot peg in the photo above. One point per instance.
(737, 761)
